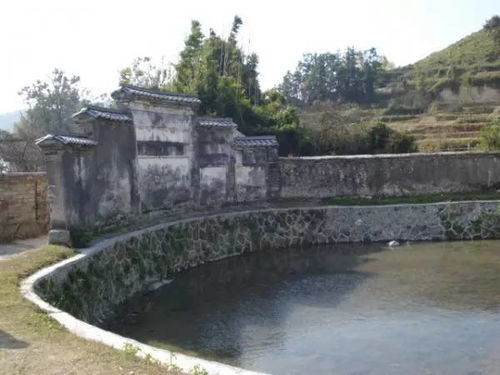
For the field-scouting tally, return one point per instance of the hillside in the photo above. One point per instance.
(476, 51)
(454, 93)
(473, 60)
(442, 100)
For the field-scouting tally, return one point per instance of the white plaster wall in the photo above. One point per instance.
(250, 176)
(155, 123)
(175, 164)
(164, 181)
(250, 183)
(211, 176)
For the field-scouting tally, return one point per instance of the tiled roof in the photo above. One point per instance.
(216, 122)
(67, 140)
(103, 113)
(156, 94)
(258, 141)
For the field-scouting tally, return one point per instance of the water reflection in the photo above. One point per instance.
(424, 308)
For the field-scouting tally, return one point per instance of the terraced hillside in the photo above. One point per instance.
(455, 129)
(443, 100)
(462, 93)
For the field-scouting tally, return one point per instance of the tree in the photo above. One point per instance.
(226, 80)
(145, 73)
(188, 68)
(350, 77)
(219, 73)
(51, 105)
(492, 27)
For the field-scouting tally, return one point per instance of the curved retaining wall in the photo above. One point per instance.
(88, 286)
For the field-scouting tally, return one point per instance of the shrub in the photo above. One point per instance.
(383, 139)
(400, 143)
(402, 110)
(490, 136)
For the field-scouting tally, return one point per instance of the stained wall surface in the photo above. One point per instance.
(390, 175)
(23, 205)
(165, 154)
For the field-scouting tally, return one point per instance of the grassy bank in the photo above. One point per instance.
(33, 343)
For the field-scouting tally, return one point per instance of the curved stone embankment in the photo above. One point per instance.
(86, 288)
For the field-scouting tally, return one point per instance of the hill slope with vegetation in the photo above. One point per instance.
(440, 103)
(473, 60)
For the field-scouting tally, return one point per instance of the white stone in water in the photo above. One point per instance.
(393, 243)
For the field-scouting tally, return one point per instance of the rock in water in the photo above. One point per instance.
(393, 243)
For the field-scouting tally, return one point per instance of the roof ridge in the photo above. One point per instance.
(105, 109)
(215, 118)
(158, 91)
(256, 140)
(95, 111)
(67, 140)
(256, 137)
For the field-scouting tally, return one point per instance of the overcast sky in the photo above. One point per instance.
(95, 39)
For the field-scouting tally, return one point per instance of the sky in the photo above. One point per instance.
(96, 38)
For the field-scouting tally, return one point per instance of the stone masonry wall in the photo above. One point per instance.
(107, 274)
(391, 175)
(23, 205)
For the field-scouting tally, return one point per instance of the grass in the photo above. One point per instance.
(473, 60)
(429, 198)
(475, 52)
(33, 343)
(448, 144)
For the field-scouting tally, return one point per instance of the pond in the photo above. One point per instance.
(426, 308)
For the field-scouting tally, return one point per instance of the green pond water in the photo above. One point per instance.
(426, 308)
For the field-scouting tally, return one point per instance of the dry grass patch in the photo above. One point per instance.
(33, 343)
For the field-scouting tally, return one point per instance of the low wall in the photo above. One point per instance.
(23, 205)
(90, 285)
(114, 270)
(391, 175)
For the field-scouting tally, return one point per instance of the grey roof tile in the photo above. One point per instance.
(216, 122)
(156, 94)
(103, 113)
(67, 140)
(257, 141)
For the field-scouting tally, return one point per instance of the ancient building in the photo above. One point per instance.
(153, 153)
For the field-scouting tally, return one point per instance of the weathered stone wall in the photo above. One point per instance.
(256, 173)
(100, 185)
(112, 271)
(165, 138)
(392, 175)
(23, 205)
(216, 166)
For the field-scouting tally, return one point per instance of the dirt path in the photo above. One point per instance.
(7, 250)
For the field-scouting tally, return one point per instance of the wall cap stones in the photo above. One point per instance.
(391, 156)
(56, 141)
(130, 92)
(95, 112)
